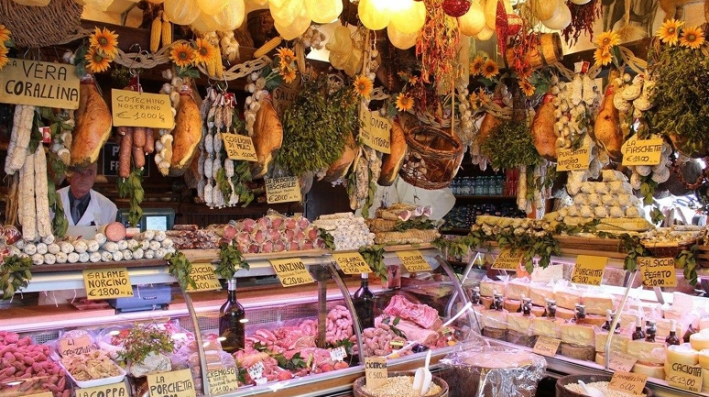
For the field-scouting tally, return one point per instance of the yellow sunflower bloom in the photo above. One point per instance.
(404, 102)
(413, 80)
(692, 38)
(96, 61)
(602, 57)
(288, 75)
(476, 66)
(182, 55)
(526, 87)
(363, 86)
(607, 40)
(484, 98)
(204, 51)
(105, 41)
(3, 56)
(4, 34)
(525, 71)
(669, 31)
(286, 55)
(490, 69)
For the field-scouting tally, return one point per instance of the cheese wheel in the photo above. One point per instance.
(520, 323)
(543, 326)
(511, 305)
(619, 342)
(491, 287)
(703, 359)
(653, 371)
(594, 320)
(540, 294)
(486, 301)
(568, 299)
(601, 359)
(565, 314)
(495, 319)
(578, 335)
(700, 340)
(515, 290)
(597, 304)
(648, 352)
(663, 329)
(521, 339)
(538, 311)
(682, 354)
(585, 353)
(495, 333)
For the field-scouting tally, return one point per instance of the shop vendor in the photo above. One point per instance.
(84, 206)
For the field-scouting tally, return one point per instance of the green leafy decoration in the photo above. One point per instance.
(132, 187)
(420, 223)
(687, 260)
(142, 340)
(328, 238)
(187, 71)
(181, 268)
(230, 260)
(374, 256)
(510, 145)
(15, 274)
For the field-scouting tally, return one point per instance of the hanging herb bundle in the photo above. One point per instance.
(510, 145)
(583, 18)
(132, 187)
(374, 256)
(180, 267)
(315, 126)
(230, 260)
(15, 274)
(437, 45)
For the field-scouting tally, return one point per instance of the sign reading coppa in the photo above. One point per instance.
(35, 83)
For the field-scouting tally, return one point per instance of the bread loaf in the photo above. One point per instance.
(391, 163)
(267, 138)
(543, 129)
(93, 125)
(339, 168)
(187, 133)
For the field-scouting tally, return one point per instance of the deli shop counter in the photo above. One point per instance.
(584, 342)
(305, 319)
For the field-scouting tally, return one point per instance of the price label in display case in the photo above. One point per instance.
(507, 260)
(204, 277)
(589, 270)
(627, 382)
(351, 263)
(107, 284)
(688, 377)
(413, 261)
(658, 272)
(375, 371)
(292, 272)
(116, 389)
(642, 151)
(141, 109)
(239, 147)
(171, 384)
(547, 346)
(222, 380)
(622, 362)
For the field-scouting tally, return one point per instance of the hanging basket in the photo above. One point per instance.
(41, 26)
(432, 159)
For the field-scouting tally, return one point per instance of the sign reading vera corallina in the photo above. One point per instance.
(27, 82)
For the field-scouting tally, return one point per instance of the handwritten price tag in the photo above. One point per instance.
(413, 261)
(685, 377)
(141, 109)
(622, 362)
(239, 147)
(205, 278)
(27, 82)
(658, 272)
(642, 151)
(107, 284)
(375, 371)
(173, 384)
(338, 354)
(73, 346)
(628, 382)
(507, 260)
(547, 346)
(115, 389)
(282, 190)
(376, 131)
(573, 160)
(256, 371)
(351, 263)
(589, 270)
(291, 272)
(222, 380)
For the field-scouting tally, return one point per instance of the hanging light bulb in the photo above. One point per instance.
(373, 14)
(323, 11)
(211, 7)
(231, 17)
(407, 16)
(299, 25)
(287, 12)
(473, 21)
(561, 19)
(181, 12)
(485, 34)
(402, 41)
(204, 24)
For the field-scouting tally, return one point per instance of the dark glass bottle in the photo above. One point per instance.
(609, 319)
(650, 330)
(672, 338)
(526, 307)
(551, 308)
(475, 296)
(638, 334)
(580, 315)
(364, 303)
(232, 321)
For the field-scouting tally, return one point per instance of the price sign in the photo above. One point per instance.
(222, 380)
(622, 362)
(375, 371)
(107, 284)
(628, 382)
(376, 131)
(282, 190)
(171, 384)
(507, 260)
(114, 389)
(49, 394)
(73, 346)
(256, 371)
(413, 261)
(291, 272)
(141, 109)
(352, 263)
(686, 377)
(27, 82)
(589, 270)
(338, 354)
(547, 346)
(658, 272)
(642, 151)
(573, 160)
(396, 344)
(239, 147)
(203, 275)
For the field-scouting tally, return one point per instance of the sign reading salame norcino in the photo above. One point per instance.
(28, 82)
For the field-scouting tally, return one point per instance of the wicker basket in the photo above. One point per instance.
(41, 26)
(432, 159)
(667, 250)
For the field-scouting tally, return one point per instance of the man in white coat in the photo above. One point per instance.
(84, 206)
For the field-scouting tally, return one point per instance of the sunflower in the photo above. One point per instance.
(288, 75)
(413, 80)
(490, 69)
(484, 98)
(525, 71)
(607, 40)
(692, 38)
(404, 102)
(602, 56)
(286, 55)
(3, 56)
(474, 101)
(4, 34)
(204, 51)
(477, 65)
(526, 87)
(363, 86)
(96, 61)
(106, 42)
(182, 55)
(669, 31)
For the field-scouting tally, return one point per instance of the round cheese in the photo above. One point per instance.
(585, 353)
(681, 354)
(653, 371)
(700, 340)
(511, 305)
(703, 359)
(601, 359)
(704, 323)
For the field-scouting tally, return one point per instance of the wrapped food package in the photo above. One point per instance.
(493, 371)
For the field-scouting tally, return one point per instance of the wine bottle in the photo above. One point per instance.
(232, 321)
(364, 303)
(650, 331)
(638, 334)
(672, 338)
(609, 319)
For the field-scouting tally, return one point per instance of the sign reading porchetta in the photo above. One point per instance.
(35, 83)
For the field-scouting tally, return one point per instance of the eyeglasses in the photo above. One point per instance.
(85, 172)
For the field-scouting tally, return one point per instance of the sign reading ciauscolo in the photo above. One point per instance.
(28, 82)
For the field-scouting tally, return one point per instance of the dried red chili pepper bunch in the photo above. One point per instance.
(437, 44)
(582, 19)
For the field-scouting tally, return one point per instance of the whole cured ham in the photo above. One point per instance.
(187, 133)
(93, 125)
(267, 138)
(606, 131)
(543, 129)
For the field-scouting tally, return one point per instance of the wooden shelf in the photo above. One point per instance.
(481, 198)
